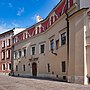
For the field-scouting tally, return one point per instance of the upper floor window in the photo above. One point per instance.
(42, 48)
(33, 50)
(8, 54)
(52, 44)
(15, 54)
(3, 55)
(63, 38)
(3, 44)
(8, 42)
(24, 52)
(20, 53)
(57, 44)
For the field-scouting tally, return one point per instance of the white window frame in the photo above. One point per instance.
(8, 43)
(2, 56)
(40, 47)
(8, 66)
(3, 44)
(35, 49)
(53, 37)
(7, 53)
(2, 67)
(23, 52)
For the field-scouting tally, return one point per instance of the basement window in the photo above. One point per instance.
(89, 80)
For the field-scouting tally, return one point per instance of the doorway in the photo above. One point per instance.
(34, 69)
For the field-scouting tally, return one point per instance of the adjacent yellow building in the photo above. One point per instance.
(57, 47)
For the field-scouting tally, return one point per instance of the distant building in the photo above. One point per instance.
(5, 52)
(6, 47)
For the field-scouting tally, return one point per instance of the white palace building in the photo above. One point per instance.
(57, 47)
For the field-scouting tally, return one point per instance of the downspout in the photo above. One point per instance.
(12, 49)
(67, 38)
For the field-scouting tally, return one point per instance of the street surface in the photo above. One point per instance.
(17, 83)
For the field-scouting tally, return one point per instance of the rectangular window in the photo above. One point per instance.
(15, 54)
(3, 66)
(42, 48)
(24, 52)
(52, 44)
(23, 67)
(63, 38)
(63, 66)
(16, 67)
(37, 30)
(51, 20)
(8, 54)
(8, 42)
(33, 50)
(48, 65)
(89, 80)
(20, 54)
(3, 44)
(3, 55)
(9, 66)
(57, 44)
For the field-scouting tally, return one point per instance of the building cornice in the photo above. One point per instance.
(77, 12)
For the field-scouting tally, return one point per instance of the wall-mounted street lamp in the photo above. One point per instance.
(53, 52)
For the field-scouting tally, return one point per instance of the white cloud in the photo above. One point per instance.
(35, 17)
(5, 27)
(20, 11)
(14, 24)
(10, 5)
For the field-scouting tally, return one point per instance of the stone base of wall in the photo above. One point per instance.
(47, 76)
(76, 79)
(79, 79)
(1, 73)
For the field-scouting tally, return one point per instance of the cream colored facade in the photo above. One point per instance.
(50, 64)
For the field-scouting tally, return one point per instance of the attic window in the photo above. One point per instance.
(37, 30)
(51, 20)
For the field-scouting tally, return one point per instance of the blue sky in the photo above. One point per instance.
(22, 13)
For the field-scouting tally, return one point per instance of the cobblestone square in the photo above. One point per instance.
(18, 83)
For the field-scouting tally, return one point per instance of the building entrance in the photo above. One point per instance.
(34, 69)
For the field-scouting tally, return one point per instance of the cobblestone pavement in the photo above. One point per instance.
(17, 83)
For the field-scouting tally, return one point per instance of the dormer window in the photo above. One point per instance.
(37, 30)
(42, 29)
(55, 17)
(51, 20)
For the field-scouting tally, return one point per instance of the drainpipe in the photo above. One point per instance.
(12, 49)
(67, 39)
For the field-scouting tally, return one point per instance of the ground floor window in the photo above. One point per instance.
(23, 67)
(63, 66)
(89, 80)
(3, 66)
(48, 65)
(16, 67)
(9, 66)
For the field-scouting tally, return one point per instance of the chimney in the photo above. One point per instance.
(38, 18)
